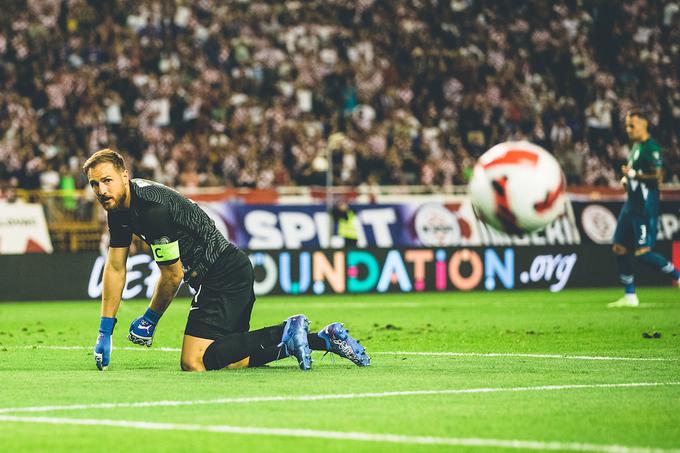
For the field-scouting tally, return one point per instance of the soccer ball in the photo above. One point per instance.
(517, 188)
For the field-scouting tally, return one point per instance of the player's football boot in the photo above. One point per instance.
(340, 342)
(294, 340)
(629, 300)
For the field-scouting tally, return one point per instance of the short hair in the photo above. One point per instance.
(103, 156)
(527, 124)
(640, 112)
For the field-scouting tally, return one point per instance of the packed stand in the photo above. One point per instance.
(248, 93)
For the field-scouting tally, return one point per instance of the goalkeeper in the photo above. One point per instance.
(186, 245)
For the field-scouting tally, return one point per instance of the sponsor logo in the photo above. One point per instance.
(23, 229)
(433, 224)
(144, 326)
(296, 228)
(669, 226)
(376, 271)
(408, 270)
(598, 223)
(437, 226)
(549, 268)
(140, 279)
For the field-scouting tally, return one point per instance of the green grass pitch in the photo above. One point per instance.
(526, 370)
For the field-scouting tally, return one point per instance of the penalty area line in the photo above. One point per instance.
(334, 396)
(411, 353)
(338, 435)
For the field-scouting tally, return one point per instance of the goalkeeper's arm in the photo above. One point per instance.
(166, 288)
(114, 281)
(142, 329)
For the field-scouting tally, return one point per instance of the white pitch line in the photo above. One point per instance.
(413, 353)
(90, 348)
(532, 356)
(345, 305)
(337, 396)
(341, 435)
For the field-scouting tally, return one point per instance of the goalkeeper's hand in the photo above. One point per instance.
(102, 349)
(143, 328)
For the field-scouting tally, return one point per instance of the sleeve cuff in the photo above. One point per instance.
(106, 325)
(152, 316)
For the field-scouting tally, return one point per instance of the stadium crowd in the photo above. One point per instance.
(253, 93)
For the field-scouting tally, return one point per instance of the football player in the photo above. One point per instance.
(636, 228)
(187, 246)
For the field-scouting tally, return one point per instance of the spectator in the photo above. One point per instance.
(247, 93)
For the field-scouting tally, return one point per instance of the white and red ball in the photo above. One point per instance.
(517, 187)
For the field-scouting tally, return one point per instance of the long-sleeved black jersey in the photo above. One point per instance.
(173, 226)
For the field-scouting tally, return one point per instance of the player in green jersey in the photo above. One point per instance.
(637, 224)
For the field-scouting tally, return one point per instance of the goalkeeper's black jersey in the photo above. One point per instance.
(174, 226)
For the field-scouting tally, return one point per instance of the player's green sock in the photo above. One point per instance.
(625, 265)
(658, 261)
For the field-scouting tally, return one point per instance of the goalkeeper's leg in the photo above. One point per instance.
(228, 351)
(239, 350)
(217, 332)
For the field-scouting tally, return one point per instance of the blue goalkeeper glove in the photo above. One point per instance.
(102, 349)
(142, 328)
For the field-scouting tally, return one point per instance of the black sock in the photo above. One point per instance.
(316, 343)
(267, 355)
(235, 347)
(260, 345)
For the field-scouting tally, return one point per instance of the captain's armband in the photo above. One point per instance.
(167, 251)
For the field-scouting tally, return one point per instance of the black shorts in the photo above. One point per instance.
(224, 300)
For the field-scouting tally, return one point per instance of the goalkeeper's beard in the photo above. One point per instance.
(117, 204)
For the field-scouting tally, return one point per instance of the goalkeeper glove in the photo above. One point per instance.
(142, 328)
(102, 349)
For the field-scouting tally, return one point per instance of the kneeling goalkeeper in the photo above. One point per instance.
(186, 245)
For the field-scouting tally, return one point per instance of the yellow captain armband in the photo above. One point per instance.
(165, 251)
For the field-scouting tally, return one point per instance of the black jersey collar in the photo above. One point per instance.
(133, 198)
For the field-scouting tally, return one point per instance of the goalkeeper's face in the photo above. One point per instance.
(110, 185)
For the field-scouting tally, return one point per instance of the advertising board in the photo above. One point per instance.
(66, 276)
